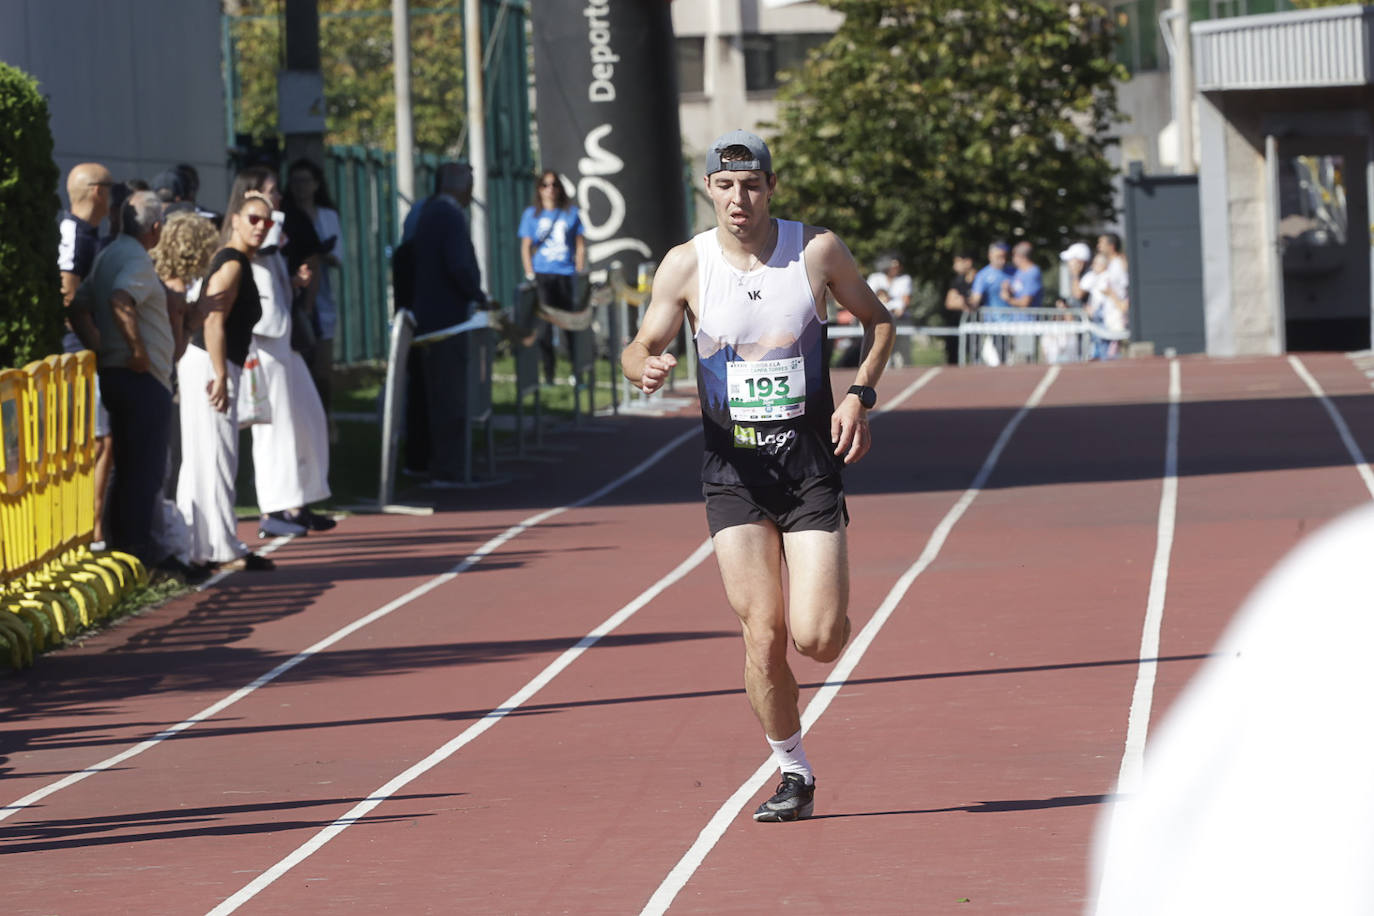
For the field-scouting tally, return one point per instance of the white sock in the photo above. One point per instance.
(790, 756)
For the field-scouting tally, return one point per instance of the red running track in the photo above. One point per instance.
(962, 763)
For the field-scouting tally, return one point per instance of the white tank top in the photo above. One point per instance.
(745, 308)
(762, 372)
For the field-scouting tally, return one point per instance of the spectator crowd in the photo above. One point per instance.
(1095, 281)
(203, 323)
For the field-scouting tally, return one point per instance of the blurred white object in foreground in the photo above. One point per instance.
(1258, 794)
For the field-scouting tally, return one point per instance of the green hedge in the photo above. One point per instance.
(30, 287)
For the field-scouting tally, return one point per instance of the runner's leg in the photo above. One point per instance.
(750, 558)
(818, 586)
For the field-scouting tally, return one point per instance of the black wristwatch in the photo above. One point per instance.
(867, 396)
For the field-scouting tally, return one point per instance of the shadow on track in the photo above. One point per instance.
(70, 833)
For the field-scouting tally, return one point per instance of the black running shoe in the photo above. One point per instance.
(793, 800)
(313, 520)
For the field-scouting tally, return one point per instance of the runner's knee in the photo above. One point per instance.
(823, 645)
(765, 645)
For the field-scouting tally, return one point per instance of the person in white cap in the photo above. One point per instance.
(1073, 261)
(754, 290)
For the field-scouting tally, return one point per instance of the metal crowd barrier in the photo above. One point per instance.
(53, 584)
(587, 328)
(625, 298)
(477, 391)
(998, 336)
(601, 328)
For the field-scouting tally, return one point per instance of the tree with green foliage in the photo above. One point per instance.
(30, 296)
(929, 126)
(356, 60)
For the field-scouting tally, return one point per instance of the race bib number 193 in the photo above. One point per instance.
(772, 389)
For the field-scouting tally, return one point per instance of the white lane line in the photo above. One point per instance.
(1361, 466)
(725, 815)
(1142, 697)
(909, 390)
(343, 632)
(399, 782)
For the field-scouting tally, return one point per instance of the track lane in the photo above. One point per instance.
(527, 836)
(201, 757)
(638, 738)
(1261, 467)
(995, 691)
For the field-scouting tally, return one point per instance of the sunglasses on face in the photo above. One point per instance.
(254, 219)
(548, 184)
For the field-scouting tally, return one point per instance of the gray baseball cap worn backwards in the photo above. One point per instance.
(761, 158)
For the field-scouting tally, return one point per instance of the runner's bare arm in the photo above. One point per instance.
(849, 422)
(643, 360)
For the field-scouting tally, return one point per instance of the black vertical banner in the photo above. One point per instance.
(606, 92)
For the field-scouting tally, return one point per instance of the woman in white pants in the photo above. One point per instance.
(291, 453)
(209, 373)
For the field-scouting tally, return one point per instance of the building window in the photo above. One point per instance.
(691, 64)
(1139, 45)
(766, 56)
(1137, 34)
(1225, 9)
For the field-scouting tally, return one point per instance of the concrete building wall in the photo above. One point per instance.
(133, 84)
(1244, 279)
(1253, 302)
(1213, 192)
(725, 103)
(1144, 100)
(1238, 253)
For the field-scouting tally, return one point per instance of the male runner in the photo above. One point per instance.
(754, 289)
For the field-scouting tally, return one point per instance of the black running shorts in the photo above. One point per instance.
(812, 504)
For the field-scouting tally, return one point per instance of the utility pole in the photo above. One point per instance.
(477, 132)
(1182, 86)
(300, 87)
(405, 128)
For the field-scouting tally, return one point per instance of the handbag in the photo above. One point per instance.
(251, 398)
(303, 338)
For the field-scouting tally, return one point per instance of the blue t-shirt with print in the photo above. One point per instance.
(1027, 283)
(988, 284)
(553, 234)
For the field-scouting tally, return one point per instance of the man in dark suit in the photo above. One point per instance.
(448, 286)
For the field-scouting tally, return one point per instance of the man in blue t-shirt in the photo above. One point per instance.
(1024, 290)
(986, 291)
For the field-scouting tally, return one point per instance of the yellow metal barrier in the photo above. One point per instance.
(21, 638)
(53, 585)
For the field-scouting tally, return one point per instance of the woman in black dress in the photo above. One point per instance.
(210, 373)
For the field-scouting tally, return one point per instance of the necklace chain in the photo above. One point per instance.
(754, 260)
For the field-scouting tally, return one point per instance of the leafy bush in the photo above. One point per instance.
(30, 289)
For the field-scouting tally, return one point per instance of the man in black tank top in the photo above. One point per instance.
(770, 473)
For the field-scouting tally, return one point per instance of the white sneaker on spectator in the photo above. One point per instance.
(271, 526)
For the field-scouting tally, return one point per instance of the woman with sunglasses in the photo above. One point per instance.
(554, 253)
(209, 373)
